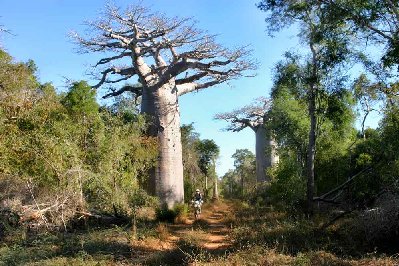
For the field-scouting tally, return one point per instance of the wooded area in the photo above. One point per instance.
(83, 183)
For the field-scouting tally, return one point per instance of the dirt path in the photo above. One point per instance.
(182, 242)
(211, 231)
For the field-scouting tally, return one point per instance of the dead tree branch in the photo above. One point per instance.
(340, 187)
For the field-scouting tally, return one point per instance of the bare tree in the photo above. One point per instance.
(170, 57)
(254, 117)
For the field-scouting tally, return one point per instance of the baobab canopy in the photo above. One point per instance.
(170, 48)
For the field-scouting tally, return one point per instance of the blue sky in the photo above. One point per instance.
(40, 31)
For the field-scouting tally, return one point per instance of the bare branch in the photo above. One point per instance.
(127, 73)
(112, 58)
(135, 90)
(192, 78)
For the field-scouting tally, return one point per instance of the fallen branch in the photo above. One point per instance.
(340, 187)
(40, 213)
(336, 218)
(102, 218)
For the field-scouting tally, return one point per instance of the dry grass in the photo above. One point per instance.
(257, 255)
(162, 231)
(261, 237)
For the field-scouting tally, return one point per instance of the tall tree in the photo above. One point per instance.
(254, 116)
(289, 119)
(327, 49)
(244, 162)
(192, 171)
(208, 153)
(170, 57)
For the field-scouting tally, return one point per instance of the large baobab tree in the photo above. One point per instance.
(254, 117)
(170, 57)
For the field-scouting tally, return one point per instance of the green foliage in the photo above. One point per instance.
(230, 185)
(164, 214)
(65, 146)
(289, 119)
(239, 183)
(288, 186)
(193, 176)
(81, 100)
(199, 161)
(208, 152)
(378, 153)
(139, 198)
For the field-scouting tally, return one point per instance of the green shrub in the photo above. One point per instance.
(288, 187)
(178, 213)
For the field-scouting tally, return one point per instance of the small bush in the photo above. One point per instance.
(165, 215)
(379, 226)
(177, 214)
(288, 188)
(181, 212)
(162, 232)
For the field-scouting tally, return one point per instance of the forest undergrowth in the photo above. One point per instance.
(228, 233)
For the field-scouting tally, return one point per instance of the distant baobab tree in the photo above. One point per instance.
(254, 117)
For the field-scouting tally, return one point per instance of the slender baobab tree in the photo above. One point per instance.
(254, 117)
(170, 57)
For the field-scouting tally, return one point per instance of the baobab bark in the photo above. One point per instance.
(260, 154)
(266, 155)
(166, 180)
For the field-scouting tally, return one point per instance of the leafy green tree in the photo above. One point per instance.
(81, 100)
(373, 22)
(208, 152)
(230, 187)
(319, 74)
(193, 175)
(245, 167)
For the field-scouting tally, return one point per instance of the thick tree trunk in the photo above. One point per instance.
(311, 151)
(266, 155)
(273, 157)
(166, 180)
(260, 153)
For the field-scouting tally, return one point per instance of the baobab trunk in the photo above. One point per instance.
(271, 151)
(260, 153)
(166, 180)
(266, 155)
